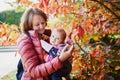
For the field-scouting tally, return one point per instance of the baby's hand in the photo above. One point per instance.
(71, 36)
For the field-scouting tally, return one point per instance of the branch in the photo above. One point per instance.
(111, 1)
(106, 8)
(81, 47)
(113, 4)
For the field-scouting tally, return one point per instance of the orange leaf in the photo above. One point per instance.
(13, 35)
(117, 67)
(88, 23)
(2, 30)
(96, 53)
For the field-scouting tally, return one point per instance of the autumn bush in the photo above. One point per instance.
(96, 54)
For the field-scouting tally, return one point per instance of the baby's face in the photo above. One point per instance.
(56, 38)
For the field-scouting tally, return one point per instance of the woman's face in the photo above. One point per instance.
(39, 23)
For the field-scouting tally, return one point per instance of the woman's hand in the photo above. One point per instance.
(66, 52)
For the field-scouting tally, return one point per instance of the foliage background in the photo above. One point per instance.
(97, 45)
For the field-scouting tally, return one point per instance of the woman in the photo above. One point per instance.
(33, 22)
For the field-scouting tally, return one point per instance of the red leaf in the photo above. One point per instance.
(80, 32)
(18, 1)
(43, 3)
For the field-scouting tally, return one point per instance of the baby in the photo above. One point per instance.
(57, 42)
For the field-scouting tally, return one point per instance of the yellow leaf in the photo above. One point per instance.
(14, 27)
(95, 37)
(117, 67)
(13, 35)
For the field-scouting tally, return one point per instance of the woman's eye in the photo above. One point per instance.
(37, 25)
(42, 22)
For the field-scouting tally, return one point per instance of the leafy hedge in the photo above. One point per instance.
(10, 17)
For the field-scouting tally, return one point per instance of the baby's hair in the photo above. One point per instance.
(62, 32)
(26, 19)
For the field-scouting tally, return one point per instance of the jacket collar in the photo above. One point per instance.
(33, 33)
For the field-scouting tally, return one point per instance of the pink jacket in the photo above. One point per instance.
(32, 58)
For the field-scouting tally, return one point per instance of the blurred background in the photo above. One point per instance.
(96, 54)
